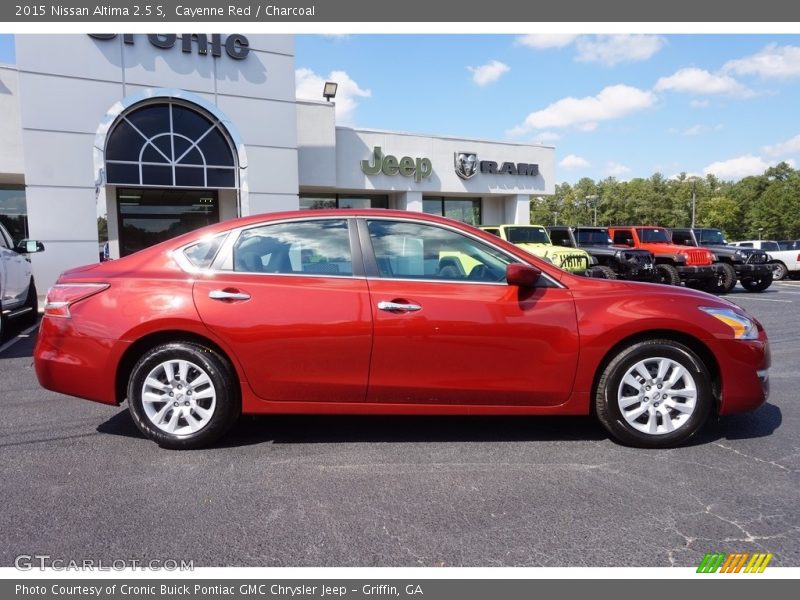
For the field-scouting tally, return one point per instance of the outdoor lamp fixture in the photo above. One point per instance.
(329, 91)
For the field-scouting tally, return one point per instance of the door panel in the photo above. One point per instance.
(297, 338)
(297, 318)
(461, 335)
(473, 344)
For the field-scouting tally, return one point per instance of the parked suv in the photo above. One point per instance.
(674, 264)
(613, 262)
(534, 239)
(749, 265)
(784, 262)
(18, 298)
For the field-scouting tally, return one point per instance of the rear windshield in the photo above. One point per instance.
(654, 236)
(527, 235)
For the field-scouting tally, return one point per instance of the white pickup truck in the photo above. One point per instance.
(18, 298)
(786, 262)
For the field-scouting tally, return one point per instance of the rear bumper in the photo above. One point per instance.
(74, 364)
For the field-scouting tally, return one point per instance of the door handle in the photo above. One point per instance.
(228, 295)
(398, 306)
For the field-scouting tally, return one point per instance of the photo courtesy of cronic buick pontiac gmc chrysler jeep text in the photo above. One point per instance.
(388, 312)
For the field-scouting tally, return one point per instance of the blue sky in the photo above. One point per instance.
(626, 106)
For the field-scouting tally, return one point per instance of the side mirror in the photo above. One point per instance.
(522, 275)
(30, 247)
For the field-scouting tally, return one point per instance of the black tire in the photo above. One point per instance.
(605, 272)
(32, 302)
(224, 412)
(725, 282)
(667, 274)
(756, 285)
(607, 406)
(780, 271)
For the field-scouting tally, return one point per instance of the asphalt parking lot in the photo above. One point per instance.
(79, 482)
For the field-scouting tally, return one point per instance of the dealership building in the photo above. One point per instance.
(166, 133)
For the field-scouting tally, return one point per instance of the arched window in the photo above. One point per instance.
(169, 144)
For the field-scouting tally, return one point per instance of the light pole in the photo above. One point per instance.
(760, 230)
(694, 200)
(594, 199)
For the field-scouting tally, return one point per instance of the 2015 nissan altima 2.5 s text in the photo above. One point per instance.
(388, 312)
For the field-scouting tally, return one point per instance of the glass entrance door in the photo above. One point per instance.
(148, 216)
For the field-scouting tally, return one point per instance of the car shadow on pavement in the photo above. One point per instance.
(314, 429)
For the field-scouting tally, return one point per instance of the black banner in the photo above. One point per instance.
(362, 11)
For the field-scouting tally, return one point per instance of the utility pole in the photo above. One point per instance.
(694, 201)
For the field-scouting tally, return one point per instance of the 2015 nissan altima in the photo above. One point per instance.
(388, 312)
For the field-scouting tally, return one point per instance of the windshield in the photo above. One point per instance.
(527, 235)
(712, 237)
(654, 236)
(593, 237)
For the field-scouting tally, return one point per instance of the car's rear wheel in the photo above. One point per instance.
(667, 274)
(654, 394)
(757, 285)
(183, 395)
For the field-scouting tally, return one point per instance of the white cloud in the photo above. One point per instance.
(308, 86)
(790, 146)
(737, 168)
(614, 169)
(700, 82)
(547, 136)
(571, 161)
(488, 73)
(773, 62)
(546, 40)
(336, 37)
(696, 130)
(700, 103)
(611, 50)
(613, 102)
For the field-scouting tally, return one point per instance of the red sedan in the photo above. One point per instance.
(388, 312)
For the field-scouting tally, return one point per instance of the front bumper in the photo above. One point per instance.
(695, 272)
(755, 271)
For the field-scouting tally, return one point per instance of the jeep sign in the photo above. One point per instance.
(419, 168)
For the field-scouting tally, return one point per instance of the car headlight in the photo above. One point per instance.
(743, 327)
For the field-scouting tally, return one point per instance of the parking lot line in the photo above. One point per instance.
(20, 336)
(764, 299)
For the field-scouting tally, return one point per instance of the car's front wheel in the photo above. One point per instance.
(654, 394)
(183, 395)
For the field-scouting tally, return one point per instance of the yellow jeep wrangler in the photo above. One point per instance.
(534, 239)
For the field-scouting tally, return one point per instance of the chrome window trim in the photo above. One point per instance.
(224, 251)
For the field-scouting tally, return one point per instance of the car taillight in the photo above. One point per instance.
(63, 295)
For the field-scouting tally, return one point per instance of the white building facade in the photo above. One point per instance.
(162, 134)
